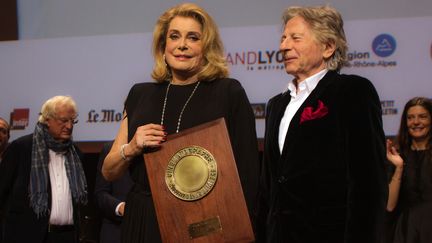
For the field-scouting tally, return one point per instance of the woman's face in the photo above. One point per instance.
(183, 50)
(418, 122)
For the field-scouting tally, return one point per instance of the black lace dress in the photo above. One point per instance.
(220, 98)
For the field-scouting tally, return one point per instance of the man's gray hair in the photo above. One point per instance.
(48, 109)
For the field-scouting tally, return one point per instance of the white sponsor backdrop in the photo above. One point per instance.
(98, 71)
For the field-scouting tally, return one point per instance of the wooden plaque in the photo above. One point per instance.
(221, 214)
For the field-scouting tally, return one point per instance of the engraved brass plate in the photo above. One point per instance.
(191, 173)
(204, 227)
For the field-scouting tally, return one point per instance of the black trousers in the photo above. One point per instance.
(62, 236)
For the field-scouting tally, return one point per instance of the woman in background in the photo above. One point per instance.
(410, 187)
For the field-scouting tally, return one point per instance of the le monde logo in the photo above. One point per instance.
(104, 116)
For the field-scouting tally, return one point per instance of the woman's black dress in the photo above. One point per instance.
(219, 98)
(414, 225)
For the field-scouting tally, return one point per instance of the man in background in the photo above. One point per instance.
(110, 198)
(42, 180)
(4, 136)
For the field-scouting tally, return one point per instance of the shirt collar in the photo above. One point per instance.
(308, 84)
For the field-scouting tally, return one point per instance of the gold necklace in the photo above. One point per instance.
(184, 106)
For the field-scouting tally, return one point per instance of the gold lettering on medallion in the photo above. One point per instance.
(191, 173)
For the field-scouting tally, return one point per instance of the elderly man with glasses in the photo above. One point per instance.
(42, 180)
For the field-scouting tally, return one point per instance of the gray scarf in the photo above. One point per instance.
(39, 174)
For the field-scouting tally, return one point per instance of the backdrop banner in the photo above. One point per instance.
(98, 71)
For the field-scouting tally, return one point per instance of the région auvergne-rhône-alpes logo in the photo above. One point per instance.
(383, 46)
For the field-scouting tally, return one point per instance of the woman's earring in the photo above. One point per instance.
(164, 58)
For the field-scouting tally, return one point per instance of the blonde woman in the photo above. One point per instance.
(192, 87)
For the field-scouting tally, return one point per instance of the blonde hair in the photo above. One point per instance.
(327, 25)
(214, 66)
(49, 108)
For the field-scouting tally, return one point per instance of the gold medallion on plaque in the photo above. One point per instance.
(191, 173)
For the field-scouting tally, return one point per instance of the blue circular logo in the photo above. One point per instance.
(384, 45)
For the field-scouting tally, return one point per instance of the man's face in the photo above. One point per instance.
(303, 54)
(4, 134)
(60, 126)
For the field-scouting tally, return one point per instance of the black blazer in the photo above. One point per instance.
(329, 182)
(108, 195)
(21, 223)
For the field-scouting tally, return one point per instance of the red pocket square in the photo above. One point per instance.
(309, 114)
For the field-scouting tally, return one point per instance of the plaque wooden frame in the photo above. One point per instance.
(224, 203)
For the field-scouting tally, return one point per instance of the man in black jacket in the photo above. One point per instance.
(110, 198)
(323, 177)
(42, 181)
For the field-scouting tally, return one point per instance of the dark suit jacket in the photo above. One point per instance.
(108, 195)
(329, 183)
(21, 223)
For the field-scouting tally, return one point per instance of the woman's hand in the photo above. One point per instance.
(149, 135)
(393, 155)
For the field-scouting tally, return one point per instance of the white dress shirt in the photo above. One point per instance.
(61, 198)
(297, 98)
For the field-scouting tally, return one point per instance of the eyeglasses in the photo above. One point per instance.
(65, 121)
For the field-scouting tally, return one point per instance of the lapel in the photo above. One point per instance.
(276, 111)
(311, 100)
